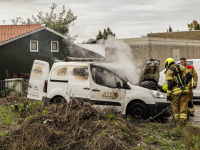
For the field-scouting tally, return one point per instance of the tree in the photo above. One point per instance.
(143, 36)
(105, 34)
(170, 29)
(194, 25)
(90, 40)
(109, 32)
(58, 22)
(99, 36)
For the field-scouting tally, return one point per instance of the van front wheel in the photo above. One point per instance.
(138, 111)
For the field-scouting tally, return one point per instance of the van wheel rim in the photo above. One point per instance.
(137, 113)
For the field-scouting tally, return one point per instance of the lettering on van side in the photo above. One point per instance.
(112, 95)
(35, 88)
(62, 73)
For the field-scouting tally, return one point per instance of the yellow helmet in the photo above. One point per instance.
(169, 62)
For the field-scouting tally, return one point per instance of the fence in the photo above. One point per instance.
(18, 86)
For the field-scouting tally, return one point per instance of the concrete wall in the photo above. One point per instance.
(159, 48)
(189, 35)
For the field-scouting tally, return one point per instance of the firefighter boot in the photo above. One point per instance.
(190, 103)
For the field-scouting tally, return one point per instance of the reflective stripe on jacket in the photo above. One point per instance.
(171, 81)
(194, 73)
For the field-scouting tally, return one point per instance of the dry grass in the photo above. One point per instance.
(73, 126)
(78, 125)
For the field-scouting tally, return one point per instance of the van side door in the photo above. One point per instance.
(106, 88)
(58, 82)
(79, 86)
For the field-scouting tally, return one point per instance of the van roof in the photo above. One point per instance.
(71, 63)
(101, 64)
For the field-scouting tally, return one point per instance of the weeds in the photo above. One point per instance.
(73, 126)
(77, 125)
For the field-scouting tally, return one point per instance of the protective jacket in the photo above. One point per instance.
(171, 80)
(195, 77)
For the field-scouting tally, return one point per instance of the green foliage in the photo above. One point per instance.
(8, 89)
(111, 117)
(105, 34)
(194, 25)
(170, 29)
(181, 137)
(59, 22)
(2, 134)
(7, 116)
(89, 40)
(99, 36)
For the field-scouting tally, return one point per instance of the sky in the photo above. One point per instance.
(126, 18)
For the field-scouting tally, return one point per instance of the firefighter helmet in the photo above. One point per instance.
(169, 62)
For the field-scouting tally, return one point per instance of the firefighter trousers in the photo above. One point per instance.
(180, 107)
(190, 103)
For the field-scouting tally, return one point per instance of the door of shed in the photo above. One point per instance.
(176, 54)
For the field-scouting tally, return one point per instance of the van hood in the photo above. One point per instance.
(150, 71)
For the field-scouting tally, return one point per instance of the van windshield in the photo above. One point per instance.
(188, 62)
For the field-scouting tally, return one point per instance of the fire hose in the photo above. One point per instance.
(151, 118)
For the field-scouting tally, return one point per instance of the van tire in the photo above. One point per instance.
(138, 111)
(58, 100)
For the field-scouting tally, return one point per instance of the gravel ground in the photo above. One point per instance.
(196, 119)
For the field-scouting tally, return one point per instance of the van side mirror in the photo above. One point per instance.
(126, 86)
(119, 85)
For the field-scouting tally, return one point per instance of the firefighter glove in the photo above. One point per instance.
(169, 98)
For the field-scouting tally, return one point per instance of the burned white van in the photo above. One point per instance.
(96, 83)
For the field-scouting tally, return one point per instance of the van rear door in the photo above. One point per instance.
(39, 75)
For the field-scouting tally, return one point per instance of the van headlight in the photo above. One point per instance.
(157, 94)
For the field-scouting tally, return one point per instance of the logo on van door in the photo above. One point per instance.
(37, 71)
(62, 73)
(112, 95)
(35, 88)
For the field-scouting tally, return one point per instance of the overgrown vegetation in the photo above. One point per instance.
(15, 109)
(9, 87)
(59, 22)
(78, 125)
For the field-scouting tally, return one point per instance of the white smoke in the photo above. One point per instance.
(79, 32)
(120, 57)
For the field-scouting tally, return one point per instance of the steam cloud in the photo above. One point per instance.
(120, 57)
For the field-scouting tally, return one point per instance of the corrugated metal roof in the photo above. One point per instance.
(96, 48)
(8, 32)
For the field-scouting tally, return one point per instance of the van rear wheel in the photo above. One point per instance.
(58, 100)
(138, 111)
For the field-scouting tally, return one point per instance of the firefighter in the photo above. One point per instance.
(175, 81)
(195, 78)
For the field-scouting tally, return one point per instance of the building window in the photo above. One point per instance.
(54, 46)
(34, 46)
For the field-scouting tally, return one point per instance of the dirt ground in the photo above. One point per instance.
(196, 119)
